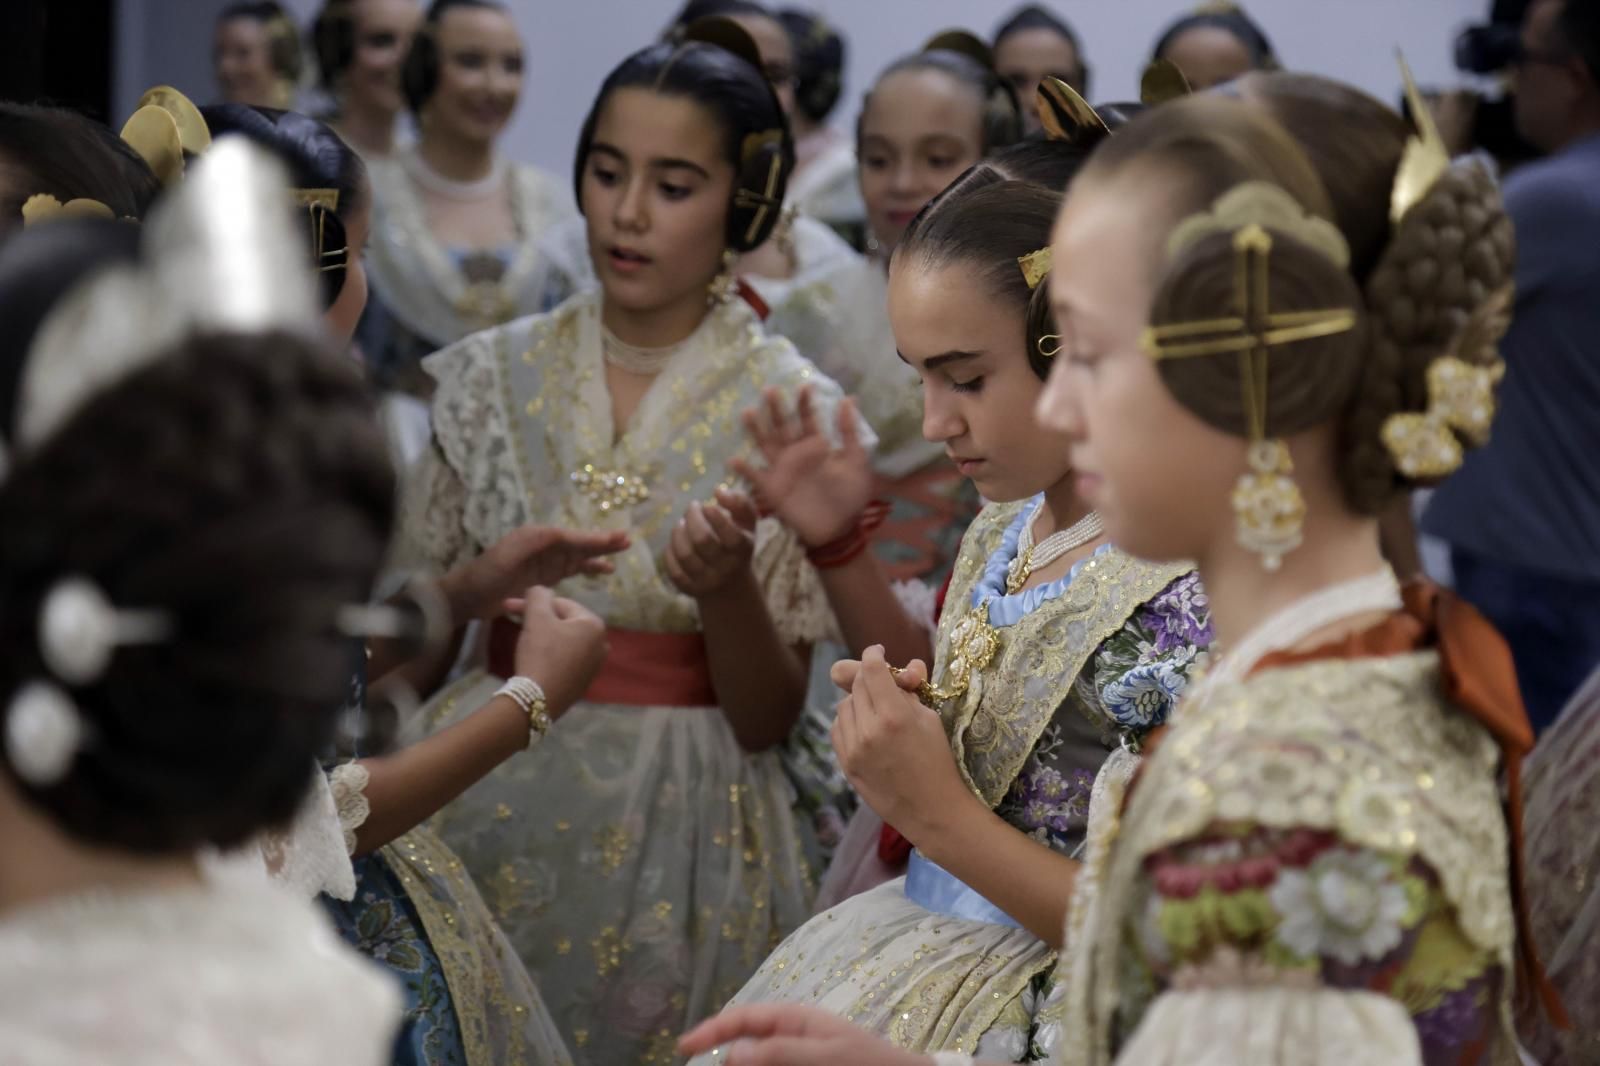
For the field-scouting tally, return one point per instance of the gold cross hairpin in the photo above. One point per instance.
(764, 201)
(1253, 331)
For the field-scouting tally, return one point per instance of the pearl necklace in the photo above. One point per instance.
(1030, 557)
(1378, 591)
(449, 188)
(646, 362)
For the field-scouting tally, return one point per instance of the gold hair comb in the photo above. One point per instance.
(1426, 157)
(1035, 266)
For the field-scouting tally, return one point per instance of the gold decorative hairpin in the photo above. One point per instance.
(1461, 397)
(328, 199)
(1035, 266)
(1426, 156)
(1268, 507)
(320, 203)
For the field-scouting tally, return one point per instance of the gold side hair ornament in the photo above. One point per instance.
(1461, 398)
(766, 201)
(1268, 508)
(1162, 81)
(1036, 266)
(1067, 116)
(1426, 157)
(319, 204)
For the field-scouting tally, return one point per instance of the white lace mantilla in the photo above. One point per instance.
(197, 977)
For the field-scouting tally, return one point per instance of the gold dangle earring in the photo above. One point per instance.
(725, 286)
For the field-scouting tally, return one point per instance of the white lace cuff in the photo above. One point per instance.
(952, 1058)
(1271, 1025)
(349, 784)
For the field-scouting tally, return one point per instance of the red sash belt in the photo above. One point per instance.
(641, 670)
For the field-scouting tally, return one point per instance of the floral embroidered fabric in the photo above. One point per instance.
(1330, 830)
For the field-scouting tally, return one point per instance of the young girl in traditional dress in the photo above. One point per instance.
(1314, 865)
(646, 857)
(194, 491)
(457, 227)
(1054, 650)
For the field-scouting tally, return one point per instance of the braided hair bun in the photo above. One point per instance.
(1448, 258)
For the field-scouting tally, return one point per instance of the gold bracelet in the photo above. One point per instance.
(526, 693)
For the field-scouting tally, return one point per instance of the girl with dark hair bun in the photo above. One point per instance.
(457, 227)
(360, 46)
(1032, 44)
(648, 855)
(194, 488)
(1215, 44)
(257, 54)
(1055, 653)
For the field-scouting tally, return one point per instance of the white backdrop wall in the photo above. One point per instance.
(571, 44)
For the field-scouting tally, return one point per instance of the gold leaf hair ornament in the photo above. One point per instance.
(1269, 511)
(1426, 157)
(1461, 398)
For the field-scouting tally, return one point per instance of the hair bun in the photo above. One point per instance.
(1449, 257)
(962, 42)
(725, 34)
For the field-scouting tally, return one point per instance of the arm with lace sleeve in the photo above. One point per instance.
(434, 501)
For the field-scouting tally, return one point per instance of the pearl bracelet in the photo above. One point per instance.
(526, 693)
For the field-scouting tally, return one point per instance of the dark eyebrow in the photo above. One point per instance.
(659, 164)
(934, 362)
(680, 164)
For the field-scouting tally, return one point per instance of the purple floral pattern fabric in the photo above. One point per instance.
(1127, 689)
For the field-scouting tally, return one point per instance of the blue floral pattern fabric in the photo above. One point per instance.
(383, 924)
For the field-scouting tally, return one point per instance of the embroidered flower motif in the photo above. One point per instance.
(1346, 905)
(1052, 801)
(1141, 698)
(1180, 616)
